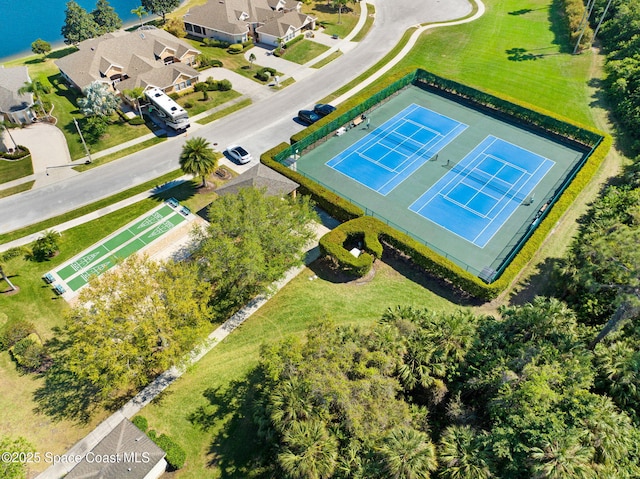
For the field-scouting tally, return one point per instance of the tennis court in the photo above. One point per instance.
(479, 194)
(392, 152)
(464, 182)
(77, 272)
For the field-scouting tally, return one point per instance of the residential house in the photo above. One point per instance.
(147, 57)
(126, 452)
(15, 107)
(235, 21)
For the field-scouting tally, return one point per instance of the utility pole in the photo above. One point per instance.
(604, 14)
(82, 138)
(584, 23)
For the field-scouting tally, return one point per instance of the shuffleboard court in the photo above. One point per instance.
(392, 152)
(119, 246)
(479, 194)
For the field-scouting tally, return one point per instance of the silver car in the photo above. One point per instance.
(239, 154)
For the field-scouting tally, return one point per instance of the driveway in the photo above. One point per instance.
(49, 152)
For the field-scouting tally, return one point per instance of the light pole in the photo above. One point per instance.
(82, 138)
(15, 145)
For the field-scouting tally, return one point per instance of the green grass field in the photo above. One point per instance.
(291, 311)
(16, 189)
(328, 17)
(304, 51)
(519, 55)
(13, 169)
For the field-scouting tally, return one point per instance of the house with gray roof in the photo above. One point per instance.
(235, 21)
(125, 453)
(260, 177)
(15, 107)
(146, 58)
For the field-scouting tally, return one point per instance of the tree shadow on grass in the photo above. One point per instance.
(522, 54)
(235, 448)
(540, 283)
(64, 396)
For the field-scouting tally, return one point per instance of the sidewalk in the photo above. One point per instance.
(163, 381)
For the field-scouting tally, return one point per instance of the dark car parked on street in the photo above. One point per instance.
(324, 109)
(308, 116)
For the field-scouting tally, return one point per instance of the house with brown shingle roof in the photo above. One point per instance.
(125, 453)
(235, 21)
(15, 107)
(145, 58)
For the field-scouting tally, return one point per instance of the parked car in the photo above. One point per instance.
(239, 154)
(324, 109)
(308, 116)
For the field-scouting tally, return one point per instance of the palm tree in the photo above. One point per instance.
(462, 454)
(310, 452)
(252, 58)
(4, 276)
(290, 402)
(406, 453)
(140, 12)
(340, 4)
(198, 158)
(36, 88)
(564, 458)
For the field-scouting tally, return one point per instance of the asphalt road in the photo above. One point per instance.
(258, 127)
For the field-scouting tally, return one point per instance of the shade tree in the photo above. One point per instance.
(106, 17)
(79, 25)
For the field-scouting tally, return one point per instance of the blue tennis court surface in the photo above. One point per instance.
(392, 152)
(477, 196)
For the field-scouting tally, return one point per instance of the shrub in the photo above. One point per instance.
(224, 85)
(215, 63)
(247, 44)
(13, 253)
(271, 71)
(136, 120)
(28, 352)
(188, 104)
(176, 456)
(212, 42)
(205, 61)
(235, 48)
(19, 153)
(294, 41)
(262, 75)
(14, 331)
(141, 423)
(174, 96)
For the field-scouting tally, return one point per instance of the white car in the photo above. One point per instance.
(239, 154)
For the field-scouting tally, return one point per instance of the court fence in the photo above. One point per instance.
(505, 267)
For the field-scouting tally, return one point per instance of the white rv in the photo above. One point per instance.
(168, 110)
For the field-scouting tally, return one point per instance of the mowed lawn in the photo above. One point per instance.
(517, 49)
(229, 444)
(304, 51)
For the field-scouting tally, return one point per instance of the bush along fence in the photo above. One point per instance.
(594, 143)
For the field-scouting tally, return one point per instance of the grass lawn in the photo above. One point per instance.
(520, 55)
(327, 60)
(216, 98)
(16, 189)
(226, 449)
(13, 169)
(224, 112)
(304, 51)
(328, 17)
(371, 11)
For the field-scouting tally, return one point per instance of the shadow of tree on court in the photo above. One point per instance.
(235, 448)
(64, 395)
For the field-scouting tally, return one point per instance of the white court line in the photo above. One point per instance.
(545, 160)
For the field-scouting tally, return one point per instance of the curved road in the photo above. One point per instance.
(259, 127)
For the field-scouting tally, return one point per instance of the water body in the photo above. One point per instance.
(24, 21)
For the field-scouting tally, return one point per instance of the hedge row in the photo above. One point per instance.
(332, 203)
(528, 116)
(373, 231)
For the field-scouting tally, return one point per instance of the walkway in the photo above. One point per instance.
(163, 381)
